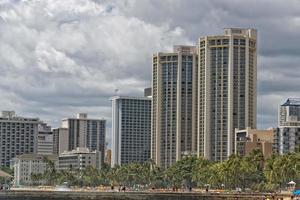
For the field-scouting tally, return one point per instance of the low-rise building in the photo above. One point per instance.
(79, 159)
(250, 139)
(28, 164)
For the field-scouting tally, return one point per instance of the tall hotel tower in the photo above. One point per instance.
(131, 130)
(226, 90)
(174, 81)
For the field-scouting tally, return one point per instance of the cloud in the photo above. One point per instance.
(62, 57)
(277, 23)
(58, 58)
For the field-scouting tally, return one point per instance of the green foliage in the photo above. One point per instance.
(182, 172)
(7, 170)
(251, 171)
(280, 169)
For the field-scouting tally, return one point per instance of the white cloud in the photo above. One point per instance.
(62, 57)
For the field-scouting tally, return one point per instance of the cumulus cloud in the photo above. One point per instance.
(277, 23)
(62, 57)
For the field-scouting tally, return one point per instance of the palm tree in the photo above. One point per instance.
(202, 171)
(217, 173)
(50, 173)
(252, 168)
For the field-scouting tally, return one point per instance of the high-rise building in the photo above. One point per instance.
(18, 135)
(226, 90)
(44, 140)
(250, 139)
(86, 133)
(131, 129)
(289, 113)
(287, 134)
(174, 90)
(60, 140)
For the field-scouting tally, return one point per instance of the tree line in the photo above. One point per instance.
(249, 172)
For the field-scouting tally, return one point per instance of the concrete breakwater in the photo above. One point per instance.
(67, 195)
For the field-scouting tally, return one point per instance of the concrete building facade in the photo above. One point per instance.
(18, 135)
(107, 158)
(28, 164)
(250, 139)
(131, 129)
(287, 134)
(86, 133)
(79, 159)
(60, 140)
(227, 76)
(174, 83)
(286, 139)
(148, 92)
(289, 113)
(44, 140)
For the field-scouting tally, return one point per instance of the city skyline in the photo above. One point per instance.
(48, 74)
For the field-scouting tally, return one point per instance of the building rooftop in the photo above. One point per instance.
(292, 102)
(11, 116)
(184, 49)
(82, 116)
(78, 150)
(129, 97)
(36, 157)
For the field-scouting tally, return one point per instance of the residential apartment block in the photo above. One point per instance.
(131, 129)
(60, 140)
(18, 135)
(86, 133)
(44, 140)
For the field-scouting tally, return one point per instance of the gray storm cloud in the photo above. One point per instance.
(58, 58)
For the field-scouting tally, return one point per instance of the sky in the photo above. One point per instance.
(62, 57)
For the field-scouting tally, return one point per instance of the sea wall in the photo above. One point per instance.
(56, 195)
